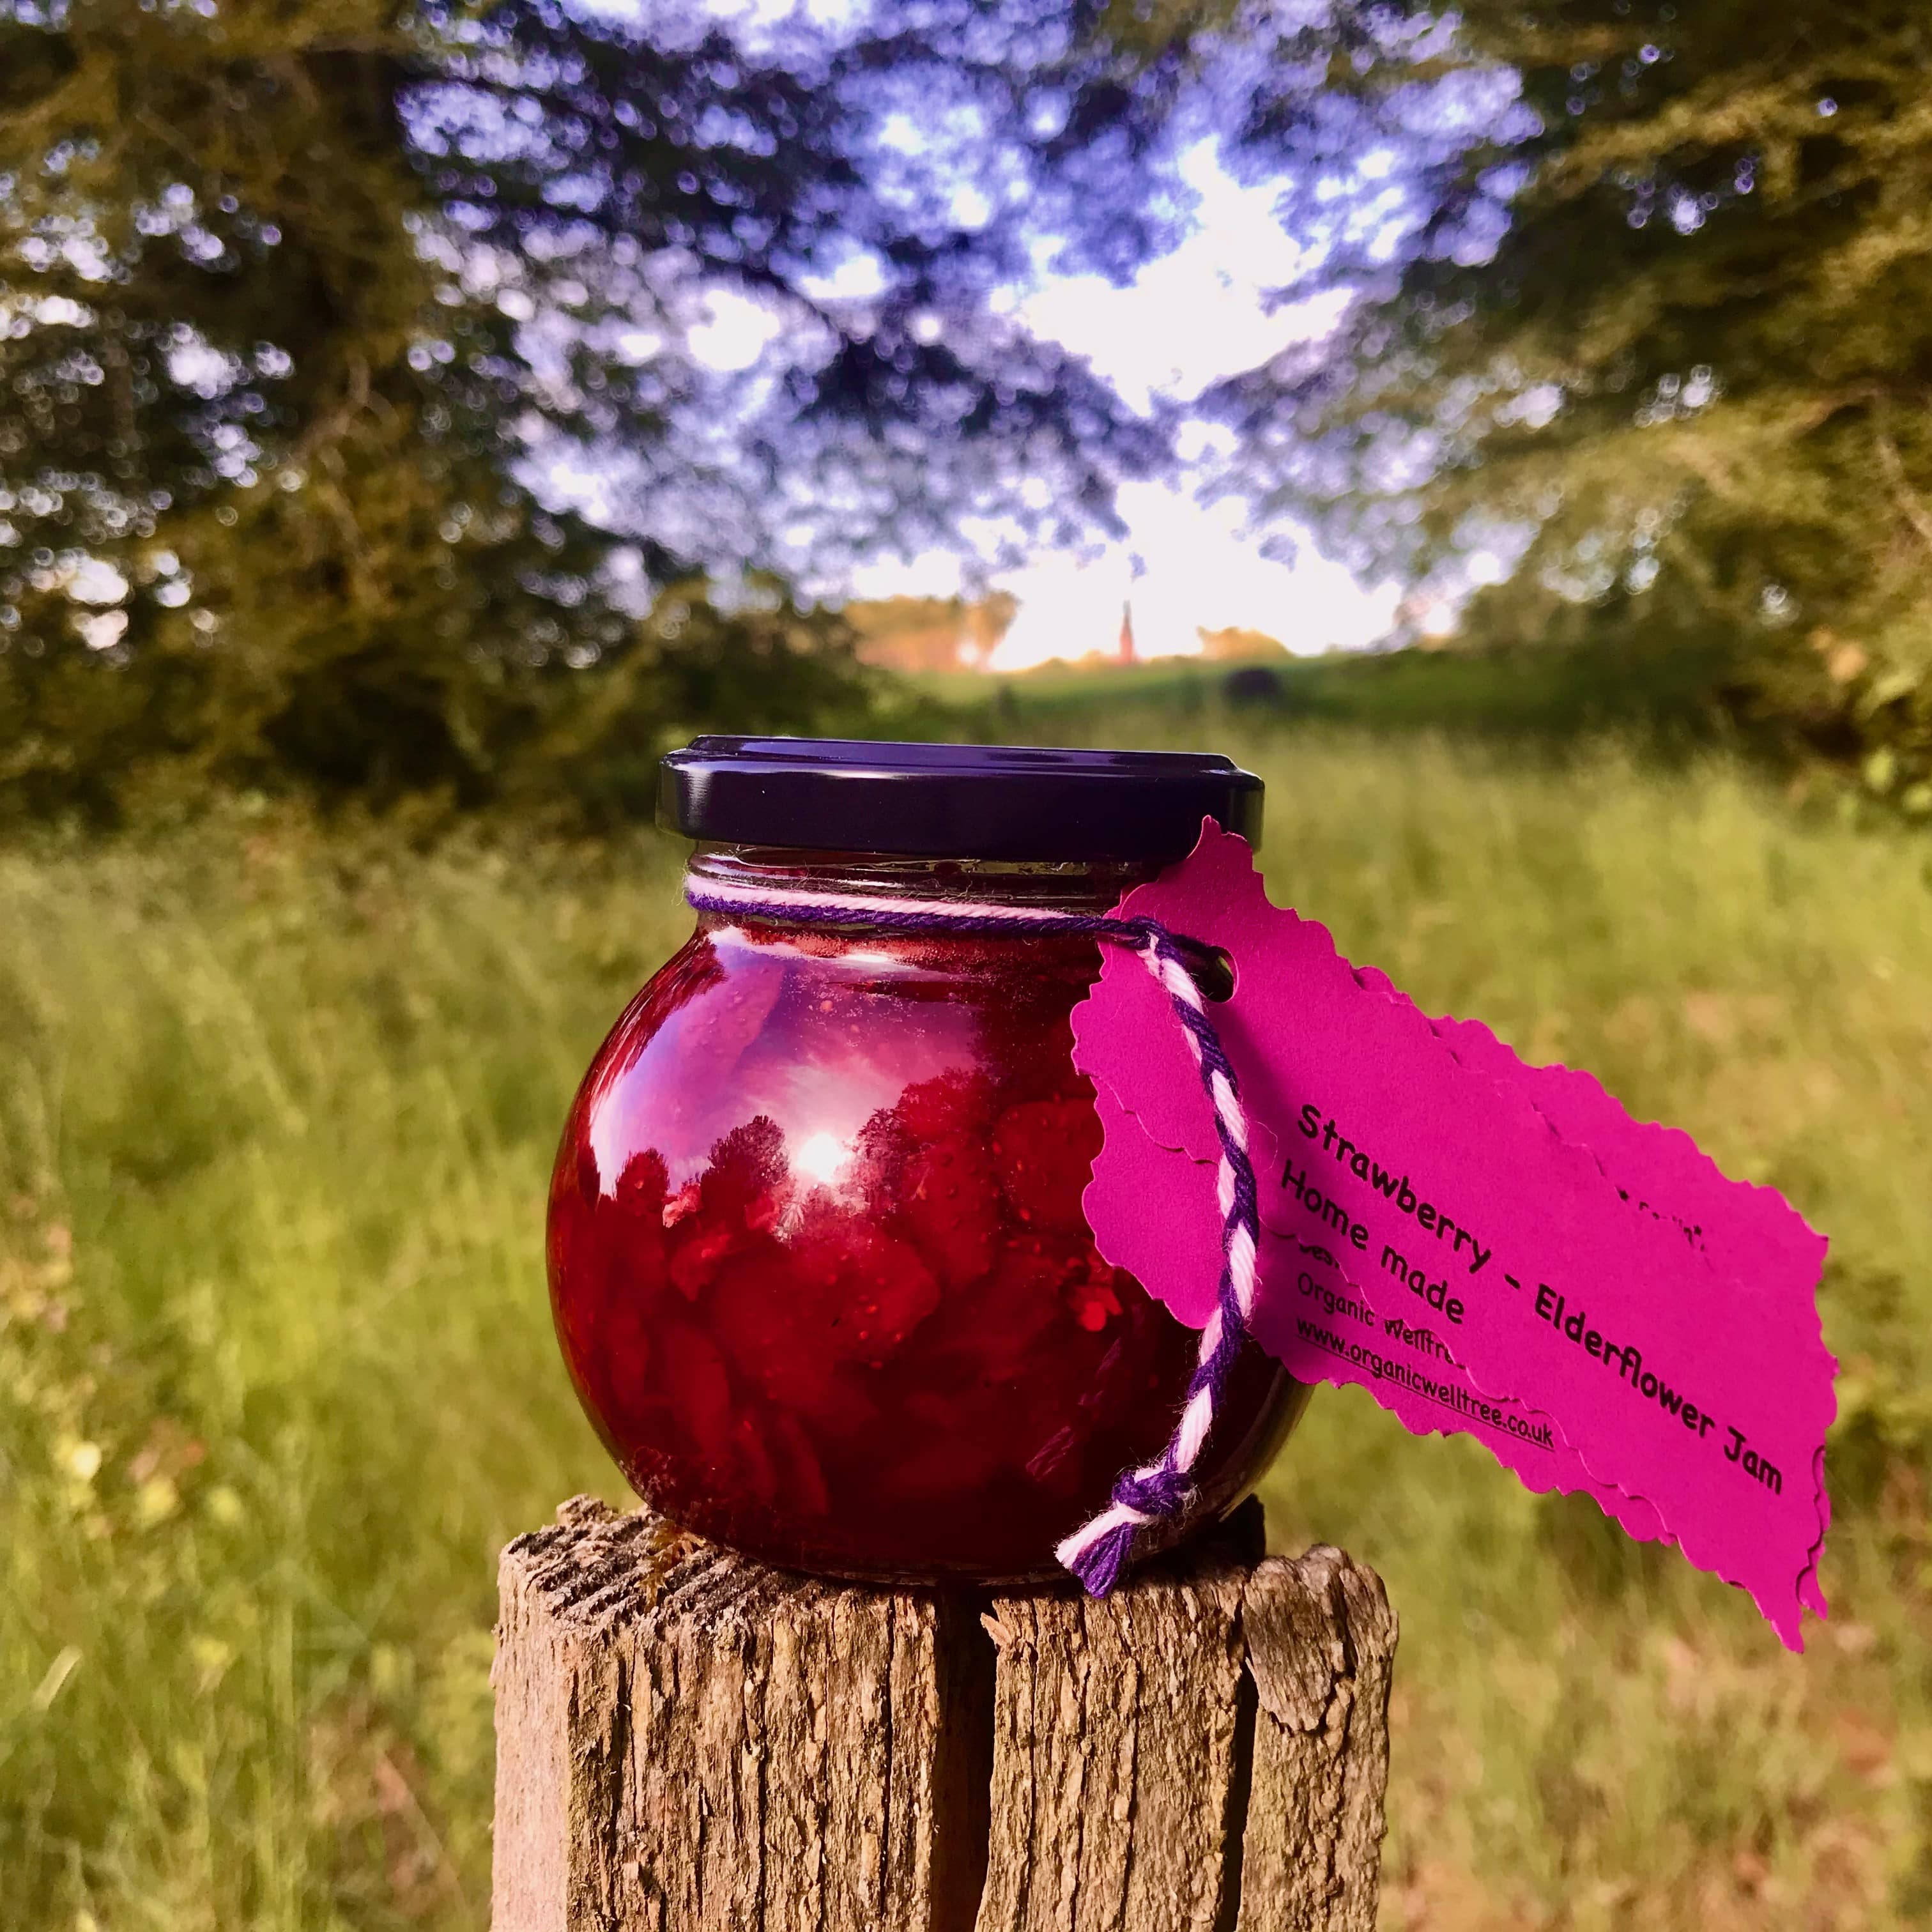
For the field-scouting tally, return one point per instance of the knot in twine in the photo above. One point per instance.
(1163, 1491)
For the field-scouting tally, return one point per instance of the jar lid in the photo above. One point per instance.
(1012, 802)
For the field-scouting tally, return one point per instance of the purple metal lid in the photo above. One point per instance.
(1013, 801)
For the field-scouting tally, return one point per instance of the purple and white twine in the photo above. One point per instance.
(1160, 1491)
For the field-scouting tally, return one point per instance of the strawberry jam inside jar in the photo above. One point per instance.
(818, 1258)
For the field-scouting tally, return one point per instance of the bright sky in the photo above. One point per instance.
(1194, 315)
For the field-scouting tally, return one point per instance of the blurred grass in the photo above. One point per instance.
(276, 1379)
(1664, 690)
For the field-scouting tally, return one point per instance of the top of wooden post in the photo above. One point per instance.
(687, 1739)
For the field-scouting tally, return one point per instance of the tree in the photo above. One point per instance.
(1639, 303)
(354, 414)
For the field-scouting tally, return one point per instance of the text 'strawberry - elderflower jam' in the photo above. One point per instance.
(816, 1253)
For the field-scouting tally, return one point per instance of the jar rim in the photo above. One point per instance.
(924, 800)
(1067, 885)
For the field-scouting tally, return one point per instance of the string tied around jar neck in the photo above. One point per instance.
(1161, 1491)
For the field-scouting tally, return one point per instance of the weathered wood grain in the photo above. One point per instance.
(687, 1740)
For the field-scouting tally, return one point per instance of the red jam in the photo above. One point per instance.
(819, 1269)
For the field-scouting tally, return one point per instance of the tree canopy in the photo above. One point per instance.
(374, 371)
(358, 403)
(1640, 315)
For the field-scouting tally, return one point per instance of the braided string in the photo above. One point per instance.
(1161, 1491)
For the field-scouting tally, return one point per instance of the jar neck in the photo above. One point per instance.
(1068, 886)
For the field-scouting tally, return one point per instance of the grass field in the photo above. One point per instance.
(276, 1379)
(1662, 691)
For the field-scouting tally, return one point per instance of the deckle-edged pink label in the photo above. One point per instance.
(1751, 1233)
(1156, 1217)
(1488, 1247)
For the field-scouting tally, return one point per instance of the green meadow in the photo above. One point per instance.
(276, 1107)
(1662, 690)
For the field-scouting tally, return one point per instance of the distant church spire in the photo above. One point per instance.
(1127, 631)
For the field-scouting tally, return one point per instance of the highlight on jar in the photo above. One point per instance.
(818, 1262)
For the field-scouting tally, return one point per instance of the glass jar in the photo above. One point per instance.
(818, 1258)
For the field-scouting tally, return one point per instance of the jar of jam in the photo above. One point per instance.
(818, 1258)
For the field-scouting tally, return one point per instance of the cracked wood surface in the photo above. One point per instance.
(688, 1740)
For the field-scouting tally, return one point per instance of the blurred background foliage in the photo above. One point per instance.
(1657, 327)
(357, 435)
(311, 306)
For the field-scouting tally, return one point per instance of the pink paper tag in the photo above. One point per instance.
(1483, 1245)
(1155, 1215)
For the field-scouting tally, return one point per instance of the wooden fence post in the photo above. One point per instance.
(687, 1740)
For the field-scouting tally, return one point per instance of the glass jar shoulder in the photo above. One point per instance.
(817, 1032)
